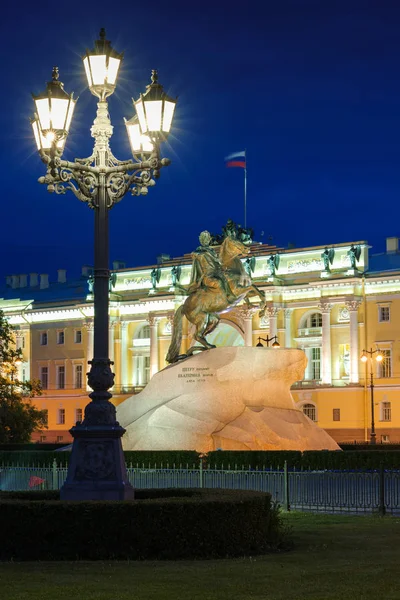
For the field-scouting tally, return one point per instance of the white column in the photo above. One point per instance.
(246, 314)
(308, 373)
(288, 327)
(272, 312)
(352, 306)
(326, 375)
(111, 336)
(124, 354)
(153, 322)
(89, 345)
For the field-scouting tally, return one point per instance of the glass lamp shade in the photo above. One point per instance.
(276, 345)
(155, 109)
(53, 114)
(45, 141)
(101, 67)
(140, 144)
(379, 357)
(364, 358)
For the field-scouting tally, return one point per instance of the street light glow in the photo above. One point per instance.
(101, 67)
(139, 143)
(155, 109)
(53, 114)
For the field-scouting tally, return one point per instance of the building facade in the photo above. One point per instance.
(331, 302)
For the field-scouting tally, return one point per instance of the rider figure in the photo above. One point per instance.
(207, 269)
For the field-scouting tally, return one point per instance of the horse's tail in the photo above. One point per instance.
(175, 345)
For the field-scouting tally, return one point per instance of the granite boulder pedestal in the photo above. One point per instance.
(233, 398)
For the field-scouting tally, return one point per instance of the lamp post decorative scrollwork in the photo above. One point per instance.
(101, 181)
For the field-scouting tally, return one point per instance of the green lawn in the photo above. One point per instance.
(335, 557)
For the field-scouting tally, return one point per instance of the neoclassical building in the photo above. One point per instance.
(331, 302)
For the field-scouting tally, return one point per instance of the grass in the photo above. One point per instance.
(335, 557)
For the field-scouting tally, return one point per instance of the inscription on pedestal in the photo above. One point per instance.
(196, 374)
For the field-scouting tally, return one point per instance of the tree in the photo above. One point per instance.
(19, 418)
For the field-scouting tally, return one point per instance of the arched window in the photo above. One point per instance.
(314, 320)
(310, 411)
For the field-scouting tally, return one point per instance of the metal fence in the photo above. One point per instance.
(326, 491)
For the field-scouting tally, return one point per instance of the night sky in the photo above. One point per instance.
(311, 89)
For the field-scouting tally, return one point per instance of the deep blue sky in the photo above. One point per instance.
(310, 88)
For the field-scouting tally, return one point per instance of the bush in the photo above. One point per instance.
(159, 524)
(314, 459)
(255, 459)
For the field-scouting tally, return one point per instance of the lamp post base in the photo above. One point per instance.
(97, 469)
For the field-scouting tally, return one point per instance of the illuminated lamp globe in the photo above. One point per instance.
(364, 358)
(276, 345)
(101, 66)
(155, 110)
(53, 114)
(18, 361)
(140, 144)
(379, 357)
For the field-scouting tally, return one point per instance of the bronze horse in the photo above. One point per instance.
(204, 305)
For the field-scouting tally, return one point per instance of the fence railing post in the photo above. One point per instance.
(201, 473)
(286, 504)
(382, 507)
(54, 476)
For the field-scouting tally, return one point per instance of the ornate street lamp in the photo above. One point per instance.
(268, 339)
(140, 144)
(97, 468)
(101, 66)
(53, 114)
(364, 358)
(155, 110)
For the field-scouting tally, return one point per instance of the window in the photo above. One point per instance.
(384, 314)
(61, 416)
(43, 338)
(315, 320)
(78, 415)
(44, 377)
(309, 411)
(78, 376)
(60, 438)
(316, 363)
(385, 367)
(46, 416)
(144, 333)
(23, 375)
(385, 439)
(60, 337)
(22, 342)
(78, 336)
(386, 411)
(336, 414)
(43, 438)
(60, 378)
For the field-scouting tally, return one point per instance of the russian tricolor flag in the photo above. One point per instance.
(238, 159)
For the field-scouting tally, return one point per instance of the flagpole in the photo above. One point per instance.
(245, 190)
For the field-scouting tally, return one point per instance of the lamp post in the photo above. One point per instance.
(97, 467)
(268, 339)
(364, 358)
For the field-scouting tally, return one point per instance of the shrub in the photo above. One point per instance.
(255, 459)
(159, 524)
